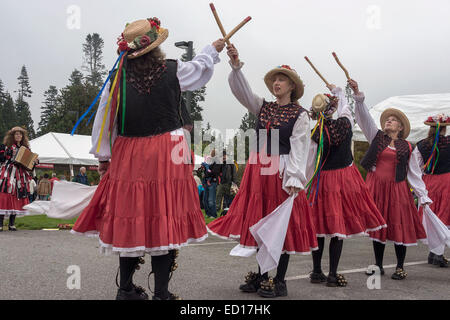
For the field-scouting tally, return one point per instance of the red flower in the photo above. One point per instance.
(123, 46)
(145, 41)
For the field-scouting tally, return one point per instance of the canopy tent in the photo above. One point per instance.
(416, 107)
(62, 148)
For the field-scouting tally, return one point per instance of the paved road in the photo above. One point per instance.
(33, 265)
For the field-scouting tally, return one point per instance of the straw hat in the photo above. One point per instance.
(13, 130)
(442, 119)
(400, 116)
(141, 37)
(291, 74)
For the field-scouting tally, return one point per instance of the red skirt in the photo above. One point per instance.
(438, 186)
(146, 201)
(9, 204)
(344, 207)
(396, 204)
(258, 196)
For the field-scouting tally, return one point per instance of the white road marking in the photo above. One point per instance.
(360, 270)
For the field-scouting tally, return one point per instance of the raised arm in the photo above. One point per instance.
(343, 109)
(362, 115)
(239, 84)
(194, 74)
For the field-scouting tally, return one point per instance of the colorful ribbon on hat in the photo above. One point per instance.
(430, 165)
(320, 161)
(96, 98)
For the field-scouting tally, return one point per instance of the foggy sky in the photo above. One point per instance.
(390, 47)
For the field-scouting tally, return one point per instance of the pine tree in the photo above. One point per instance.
(92, 61)
(22, 108)
(8, 115)
(249, 121)
(49, 109)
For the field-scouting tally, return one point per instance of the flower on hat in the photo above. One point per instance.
(145, 41)
(123, 45)
(440, 118)
(154, 22)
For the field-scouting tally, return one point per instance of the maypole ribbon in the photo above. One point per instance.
(430, 165)
(98, 95)
(110, 98)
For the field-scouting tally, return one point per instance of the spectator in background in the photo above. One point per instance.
(33, 189)
(44, 188)
(211, 179)
(227, 178)
(53, 179)
(81, 177)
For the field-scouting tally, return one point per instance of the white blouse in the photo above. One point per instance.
(370, 130)
(293, 166)
(191, 75)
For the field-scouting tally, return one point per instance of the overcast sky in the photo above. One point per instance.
(391, 47)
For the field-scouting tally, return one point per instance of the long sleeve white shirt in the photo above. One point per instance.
(292, 166)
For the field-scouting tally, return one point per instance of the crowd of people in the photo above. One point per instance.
(146, 203)
(217, 184)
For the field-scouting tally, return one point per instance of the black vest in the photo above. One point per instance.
(379, 143)
(337, 142)
(283, 118)
(443, 164)
(155, 113)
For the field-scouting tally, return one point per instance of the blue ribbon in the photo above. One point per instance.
(98, 95)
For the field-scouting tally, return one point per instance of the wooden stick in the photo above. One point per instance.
(340, 64)
(240, 25)
(216, 16)
(317, 71)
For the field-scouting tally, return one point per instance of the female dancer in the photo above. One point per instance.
(342, 204)
(433, 156)
(14, 178)
(268, 183)
(389, 168)
(147, 199)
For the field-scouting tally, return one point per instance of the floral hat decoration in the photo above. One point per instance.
(440, 119)
(289, 72)
(141, 37)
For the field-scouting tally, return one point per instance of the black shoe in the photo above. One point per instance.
(12, 228)
(440, 261)
(170, 297)
(399, 274)
(316, 277)
(136, 293)
(273, 288)
(252, 282)
(336, 281)
(431, 258)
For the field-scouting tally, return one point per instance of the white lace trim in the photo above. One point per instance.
(348, 236)
(399, 243)
(108, 249)
(18, 213)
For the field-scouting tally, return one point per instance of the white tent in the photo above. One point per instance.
(416, 107)
(62, 148)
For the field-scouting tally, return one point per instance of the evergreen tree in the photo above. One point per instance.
(249, 121)
(22, 108)
(92, 61)
(8, 115)
(49, 109)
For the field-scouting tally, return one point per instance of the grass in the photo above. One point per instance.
(43, 222)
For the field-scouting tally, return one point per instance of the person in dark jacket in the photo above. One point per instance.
(81, 177)
(227, 178)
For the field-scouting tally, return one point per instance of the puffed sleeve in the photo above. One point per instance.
(104, 153)
(364, 119)
(295, 174)
(343, 107)
(414, 177)
(194, 74)
(242, 90)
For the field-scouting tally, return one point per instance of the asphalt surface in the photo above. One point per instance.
(34, 265)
